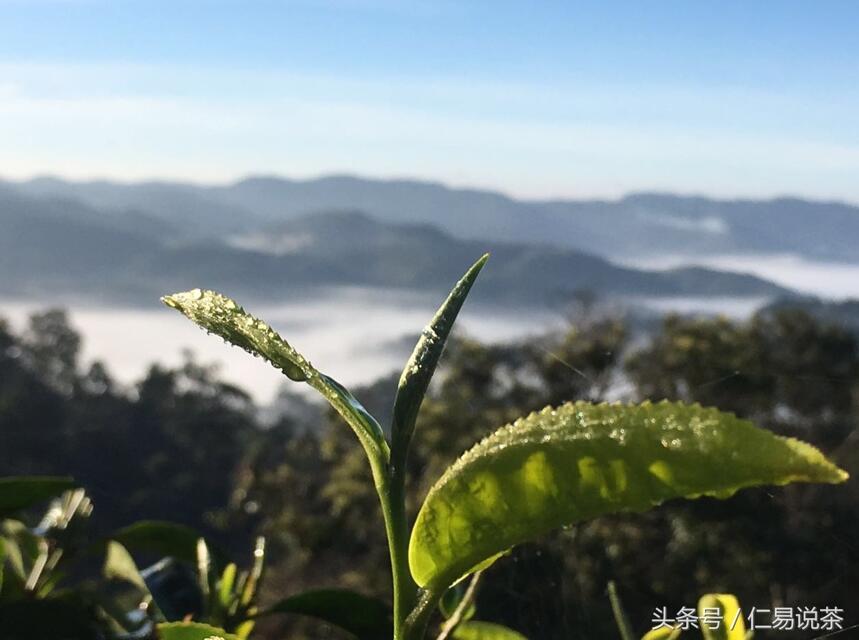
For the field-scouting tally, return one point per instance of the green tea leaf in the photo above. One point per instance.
(18, 493)
(364, 617)
(663, 633)
(119, 565)
(228, 579)
(219, 315)
(452, 599)
(416, 376)
(565, 465)
(2, 562)
(485, 631)
(251, 583)
(244, 629)
(20, 544)
(192, 631)
(724, 610)
(364, 425)
(160, 538)
(222, 316)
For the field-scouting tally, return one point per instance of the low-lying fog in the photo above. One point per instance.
(834, 280)
(357, 335)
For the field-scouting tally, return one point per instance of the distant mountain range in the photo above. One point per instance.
(639, 225)
(130, 243)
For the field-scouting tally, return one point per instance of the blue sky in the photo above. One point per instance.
(538, 99)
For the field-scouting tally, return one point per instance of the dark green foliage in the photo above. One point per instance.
(159, 539)
(141, 457)
(63, 618)
(22, 492)
(781, 369)
(365, 618)
(175, 590)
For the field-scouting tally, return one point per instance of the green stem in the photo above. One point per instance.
(622, 621)
(415, 625)
(389, 480)
(392, 496)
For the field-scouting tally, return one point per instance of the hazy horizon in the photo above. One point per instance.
(408, 178)
(545, 101)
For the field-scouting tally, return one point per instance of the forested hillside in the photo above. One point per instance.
(181, 445)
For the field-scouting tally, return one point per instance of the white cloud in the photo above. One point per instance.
(136, 121)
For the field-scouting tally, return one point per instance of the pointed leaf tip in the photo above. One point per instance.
(725, 608)
(218, 314)
(422, 364)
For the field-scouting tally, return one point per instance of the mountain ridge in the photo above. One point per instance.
(640, 224)
(84, 251)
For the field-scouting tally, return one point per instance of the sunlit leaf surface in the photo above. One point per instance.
(192, 631)
(728, 624)
(560, 466)
(663, 633)
(485, 631)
